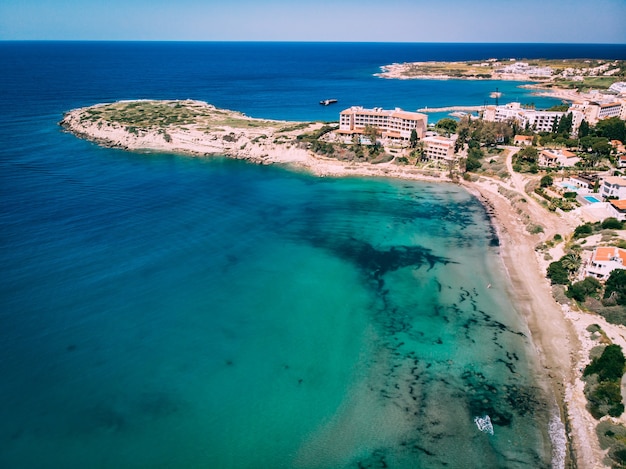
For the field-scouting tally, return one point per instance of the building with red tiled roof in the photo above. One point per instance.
(523, 140)
(557, 158)
(605, 260)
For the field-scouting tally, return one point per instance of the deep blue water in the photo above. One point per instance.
(163, 311)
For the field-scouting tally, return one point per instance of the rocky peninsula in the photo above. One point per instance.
(196, 128)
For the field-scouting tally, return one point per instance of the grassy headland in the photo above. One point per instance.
(580, 74)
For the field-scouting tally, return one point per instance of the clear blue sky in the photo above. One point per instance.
(571, 21)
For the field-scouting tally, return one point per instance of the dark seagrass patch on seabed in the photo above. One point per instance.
(375, 262)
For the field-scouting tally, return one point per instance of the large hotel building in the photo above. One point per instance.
(396, 124)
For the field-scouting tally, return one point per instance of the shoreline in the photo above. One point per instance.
(558, 343)
(551, 333)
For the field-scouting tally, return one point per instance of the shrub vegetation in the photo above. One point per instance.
(603, 376)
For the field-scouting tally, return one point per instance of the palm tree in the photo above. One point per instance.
(571, 262)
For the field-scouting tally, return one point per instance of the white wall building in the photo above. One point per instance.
(543, 121)
(525, 69)
(613, 186)
(438, 148)
(523, 140)
(582, 182)
(617, 208)
(618, 87)
(396, 124)
(537, 120)
(557, 158)
(608, 110)
(594, 111)
(605, 260)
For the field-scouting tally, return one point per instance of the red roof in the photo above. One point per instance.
(619, 204)
(607, 253)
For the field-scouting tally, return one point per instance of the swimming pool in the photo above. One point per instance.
(591, 199)
(568, 186)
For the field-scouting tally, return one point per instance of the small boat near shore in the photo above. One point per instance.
(484, 424)
(326, 102)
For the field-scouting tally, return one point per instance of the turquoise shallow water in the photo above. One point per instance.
(254, 316)
(159, 311)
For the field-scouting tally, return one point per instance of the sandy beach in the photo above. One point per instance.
(559, 334)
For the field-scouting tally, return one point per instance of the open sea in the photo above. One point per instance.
(159, 311)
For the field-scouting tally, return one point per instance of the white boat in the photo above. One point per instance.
(326, 102)
(484, 424)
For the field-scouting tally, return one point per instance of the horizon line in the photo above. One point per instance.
(310, 41)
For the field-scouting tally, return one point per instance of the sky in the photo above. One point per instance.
(535, 21)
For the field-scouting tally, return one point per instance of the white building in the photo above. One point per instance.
(594, 111)
(583, 182)
(605, 260)
(396, 124)
(557, 158)
(608, 110)
(613, 186)
(543, 121)
(525, 69)
(523, 140)
(438, 148)
(618, 87)
(537, 120)
(617, 208)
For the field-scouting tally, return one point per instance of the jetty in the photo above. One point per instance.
(451, 109)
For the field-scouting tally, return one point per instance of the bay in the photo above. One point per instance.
(165, 311)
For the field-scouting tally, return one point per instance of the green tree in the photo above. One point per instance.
(372, 133)
(462, 136)
(558, 274)
(611, 223)
(609, 366)
(603, 376)
(586, 142)
(447, 125)
(583, 129)
(472, 164)
(601, 148)
(615, 286)
(413, 139)
(582, 231)
(564, 126)
(546, 181)
(528, 155)
(612, 128)
(579, 291)
(571, 143)
(590, 160)
(571, 262)
(480, 131)
(559, 107)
